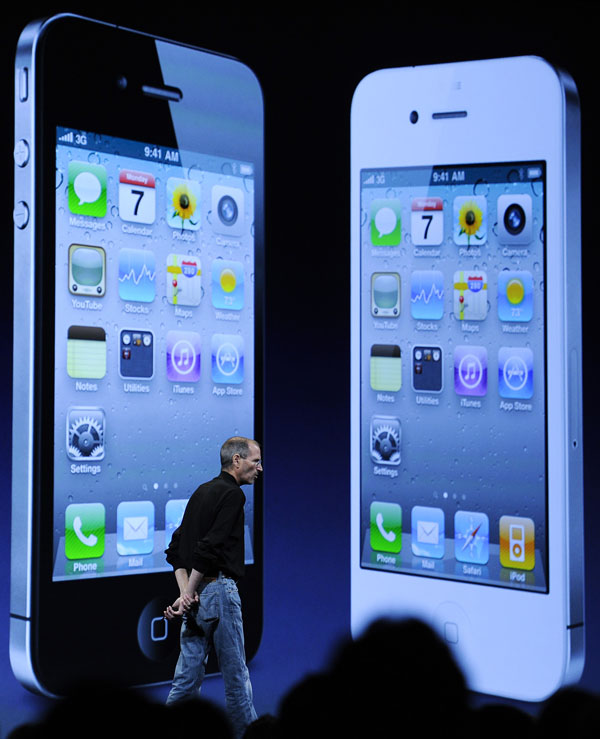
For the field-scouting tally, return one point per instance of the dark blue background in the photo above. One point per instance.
(309, 65)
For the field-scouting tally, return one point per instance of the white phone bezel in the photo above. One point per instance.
(518, 109)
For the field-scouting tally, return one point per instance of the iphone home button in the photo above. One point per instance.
(157, 638)
(452, 623)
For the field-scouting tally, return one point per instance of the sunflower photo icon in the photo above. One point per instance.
(183, 204)
(470, 220)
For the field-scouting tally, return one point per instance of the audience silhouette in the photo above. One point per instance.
(398, 676)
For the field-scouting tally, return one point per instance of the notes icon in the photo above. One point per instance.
(386, 367)
(183, 356)
(86, 352)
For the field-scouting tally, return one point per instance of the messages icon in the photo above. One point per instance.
(386, 222)
(87, 189)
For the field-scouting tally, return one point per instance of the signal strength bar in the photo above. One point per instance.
(68, 138)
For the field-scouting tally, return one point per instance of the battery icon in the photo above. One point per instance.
(534, 173)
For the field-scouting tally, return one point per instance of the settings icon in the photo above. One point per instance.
(85, 433)
(386, 436)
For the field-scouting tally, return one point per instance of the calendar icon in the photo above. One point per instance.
(427, 221)
(137, 196)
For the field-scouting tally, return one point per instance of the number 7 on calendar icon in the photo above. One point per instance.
(137, 196)
(427, 221)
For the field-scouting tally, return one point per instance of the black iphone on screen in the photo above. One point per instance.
(137, 336)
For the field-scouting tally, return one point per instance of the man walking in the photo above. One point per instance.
(207, 555)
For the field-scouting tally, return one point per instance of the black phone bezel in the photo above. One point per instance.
(87, 629)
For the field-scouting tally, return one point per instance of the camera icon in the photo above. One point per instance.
(227, 215)
(515, 224)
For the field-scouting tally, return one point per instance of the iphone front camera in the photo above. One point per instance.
(414, 116)
(122, 82)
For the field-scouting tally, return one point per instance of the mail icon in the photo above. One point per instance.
(428, 532)
(135, 528)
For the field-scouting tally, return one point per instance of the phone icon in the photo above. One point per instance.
(390, 535)
(386, 527)
(84, 530)
(88, 541)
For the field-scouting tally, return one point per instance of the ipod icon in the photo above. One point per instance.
(517, 543)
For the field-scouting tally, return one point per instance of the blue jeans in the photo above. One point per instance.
(218, 617)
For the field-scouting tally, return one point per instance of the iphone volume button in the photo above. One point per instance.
(21, 214)
(21, 156)
(21, 153)
(22, 84)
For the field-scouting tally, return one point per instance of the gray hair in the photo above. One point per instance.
(236, 445)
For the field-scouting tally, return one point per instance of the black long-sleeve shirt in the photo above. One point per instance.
(210, 538)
